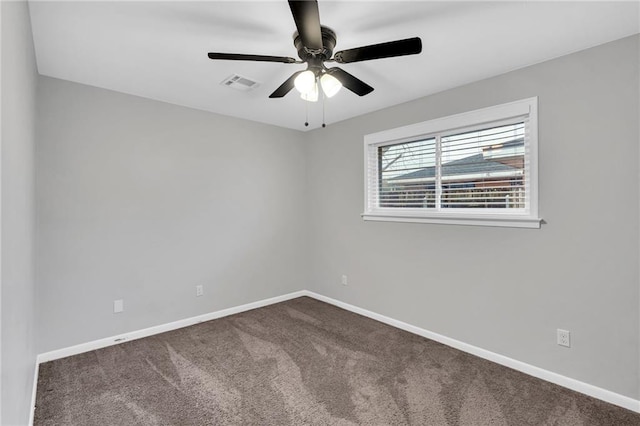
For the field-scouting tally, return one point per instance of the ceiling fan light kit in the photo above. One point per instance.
(307, 84)
(315, 44)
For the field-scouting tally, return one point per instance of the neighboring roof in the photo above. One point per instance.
(468, 165)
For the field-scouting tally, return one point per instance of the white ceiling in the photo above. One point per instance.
(158, 50)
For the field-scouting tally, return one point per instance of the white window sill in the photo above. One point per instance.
(476, 220)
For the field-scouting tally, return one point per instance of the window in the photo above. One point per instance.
(475, 168)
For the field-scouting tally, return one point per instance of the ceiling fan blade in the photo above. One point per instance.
(409, 46)
(352, 83)
(285, 87)
(307, 18)
(259, 58)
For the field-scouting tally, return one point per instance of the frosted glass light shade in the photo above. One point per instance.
(330, 85)
(311, 95)
(305, 81)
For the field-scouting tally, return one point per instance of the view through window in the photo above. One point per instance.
(478, 169)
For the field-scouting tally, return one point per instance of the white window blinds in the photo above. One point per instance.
(476, 169)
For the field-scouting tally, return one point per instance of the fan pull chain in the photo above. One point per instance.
(323, 98)
(306, 111)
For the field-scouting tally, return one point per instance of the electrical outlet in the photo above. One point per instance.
(199, 290)
(345, 280)
(564, 338)
(118, 306)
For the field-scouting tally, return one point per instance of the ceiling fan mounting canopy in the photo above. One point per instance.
(315, 44)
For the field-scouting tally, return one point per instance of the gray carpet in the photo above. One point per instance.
(301, 362)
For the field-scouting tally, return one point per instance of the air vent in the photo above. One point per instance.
(239, 82)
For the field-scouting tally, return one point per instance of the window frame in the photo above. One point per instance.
(458, 123)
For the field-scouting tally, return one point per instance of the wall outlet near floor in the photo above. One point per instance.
(564, 338)
(344, 280)
(118, 306)
(199, 290)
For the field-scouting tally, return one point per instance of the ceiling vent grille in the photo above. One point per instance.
(239, 82)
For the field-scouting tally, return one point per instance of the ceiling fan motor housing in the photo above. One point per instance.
(316, 58)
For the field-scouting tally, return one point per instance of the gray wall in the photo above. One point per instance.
(19, 79)
(507, 290)
(142, 201)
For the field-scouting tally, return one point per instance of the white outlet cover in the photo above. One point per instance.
(118, 306)
(564, 338)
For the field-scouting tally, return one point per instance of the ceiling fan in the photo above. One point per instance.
(315, 44)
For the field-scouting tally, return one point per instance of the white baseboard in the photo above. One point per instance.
(138, 334)
(33, 393)
(549, 376)
(567, 382)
